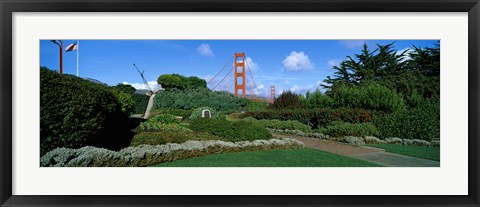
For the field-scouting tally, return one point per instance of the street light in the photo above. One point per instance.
(60, 45)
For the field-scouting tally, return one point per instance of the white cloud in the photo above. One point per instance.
(297, 61)
(205, 50)
(406, 56)
(352, 44)
(251, 64)
(302, 89)
(333, 62)
(141, 86)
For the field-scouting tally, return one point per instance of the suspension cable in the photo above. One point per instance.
(251, 75)
(223, 79)
(220, 71)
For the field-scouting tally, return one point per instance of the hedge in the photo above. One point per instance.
(75, 112)
(421, 122)
(317, 118)
(141, 102)
(230, 130)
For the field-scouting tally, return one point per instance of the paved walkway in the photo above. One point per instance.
(149, 106)
(370, 154)
(388, 159)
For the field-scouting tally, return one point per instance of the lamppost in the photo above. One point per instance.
(60, 45)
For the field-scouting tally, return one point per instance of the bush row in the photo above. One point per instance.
(189, 99)
(230, 130)
(317, 118)
(339, 129)
(421, 122)
(370, 96)
(277, 124)
(146, 155)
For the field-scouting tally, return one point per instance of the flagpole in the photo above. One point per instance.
(78, 51)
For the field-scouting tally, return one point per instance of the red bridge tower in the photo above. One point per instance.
(239, 71)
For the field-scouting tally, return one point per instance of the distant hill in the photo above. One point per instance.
(95, 81)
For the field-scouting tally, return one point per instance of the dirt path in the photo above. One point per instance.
(330, 146)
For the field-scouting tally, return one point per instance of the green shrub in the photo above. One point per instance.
(231, 130)
(287, 100)
(197, 113)
(177, 81)
(316, 117)
(177, 112)
(277, 124)
(152, 126)
(164, 119)
(141, 102)
(126, 101)
(317, 99)
(75, 112)
(256, 105)
(340, 129)
(370, 96)
(125, 88)
(168, 136)
(189, 99)
(421, 122)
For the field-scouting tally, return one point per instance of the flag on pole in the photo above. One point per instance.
(71, 47)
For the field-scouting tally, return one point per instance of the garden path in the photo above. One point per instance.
(149, 106)
(370, 154)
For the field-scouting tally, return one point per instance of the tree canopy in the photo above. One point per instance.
(406, 71)
(177, 81)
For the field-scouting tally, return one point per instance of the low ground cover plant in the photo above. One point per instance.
(159, 122)
(147, 155)
(170, 136)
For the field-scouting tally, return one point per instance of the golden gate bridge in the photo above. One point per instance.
(239, 69)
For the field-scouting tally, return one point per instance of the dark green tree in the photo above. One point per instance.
(125, 88)
(288, 100)
(170, 81)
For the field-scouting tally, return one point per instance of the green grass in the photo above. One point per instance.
(272, 158)
(430, 153)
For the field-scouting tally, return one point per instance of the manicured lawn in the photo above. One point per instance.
(430, 153)
(272, 158)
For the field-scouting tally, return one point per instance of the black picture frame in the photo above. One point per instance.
(7, 7)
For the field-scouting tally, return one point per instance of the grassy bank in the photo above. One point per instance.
(272, 158)
(429, 153)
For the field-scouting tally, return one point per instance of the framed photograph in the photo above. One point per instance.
(196, 103)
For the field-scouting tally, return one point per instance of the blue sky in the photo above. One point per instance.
(297, 65)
